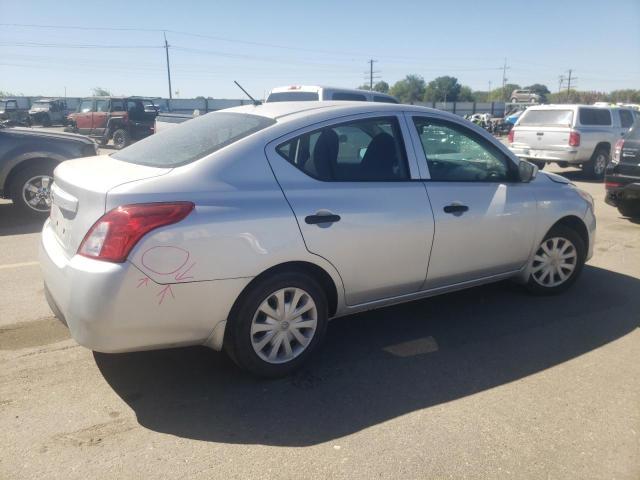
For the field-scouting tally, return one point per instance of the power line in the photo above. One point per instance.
(72, 45)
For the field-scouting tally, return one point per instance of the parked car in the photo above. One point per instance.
(246, 229)
(27, 160)
(122, 119)
(622, 180)
(570, 135)
(14, 111)
(298, 93)
(519, 96)
(47, 112)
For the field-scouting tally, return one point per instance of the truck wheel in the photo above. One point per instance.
(46, 121)
(31, 190)
(538, 164)
(121, 138)
(514, 100)
(595, 167)
(629, 208)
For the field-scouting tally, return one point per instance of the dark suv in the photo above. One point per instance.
(122, 119)
(27, 160)
(622, 179)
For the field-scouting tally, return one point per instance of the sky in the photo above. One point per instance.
(119, 45)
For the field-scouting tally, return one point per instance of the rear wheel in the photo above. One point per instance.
(121, 138)
(539, 164)
(629, 209)
(31, 190)
(514, 100)
(558, 261)
(595, 167)
(277, 324)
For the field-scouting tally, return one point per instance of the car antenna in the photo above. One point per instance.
(255, 102)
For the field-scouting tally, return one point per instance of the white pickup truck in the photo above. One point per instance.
(570, 135)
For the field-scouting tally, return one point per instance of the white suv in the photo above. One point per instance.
(570, 135)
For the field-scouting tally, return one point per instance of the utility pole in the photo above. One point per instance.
(489, 92)
(504, 78)
(166, 49)
(560, 82)
(371, 62)
(569, 82)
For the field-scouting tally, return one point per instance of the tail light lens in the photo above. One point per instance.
(617, 151)
(113, 236)
(574, 139)
(511, 135)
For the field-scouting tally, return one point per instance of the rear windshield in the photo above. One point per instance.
(557, 118)
(352, 97)
(595, 116)
(293, 97)
(193, 140)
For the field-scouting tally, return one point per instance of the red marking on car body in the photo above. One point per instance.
(143, 281)
(164, 292)
(182, 276)
(164, 252)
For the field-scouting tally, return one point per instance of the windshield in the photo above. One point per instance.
(193, 140)
(293, 97)
(558, 118)
(40, 105)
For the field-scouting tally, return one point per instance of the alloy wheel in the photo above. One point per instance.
(600, 164)
(36, 193)
(554, 262)
(284, 325)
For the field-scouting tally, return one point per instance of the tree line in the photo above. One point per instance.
(414, 89)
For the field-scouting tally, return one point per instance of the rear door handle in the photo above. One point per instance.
(321, 218)
(455, 208)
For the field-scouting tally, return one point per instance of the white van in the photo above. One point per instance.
(310, 93)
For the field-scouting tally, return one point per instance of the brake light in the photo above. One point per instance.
(511, 135)
(113, 236)
(617, 151)
(574, 139)
(612, 184)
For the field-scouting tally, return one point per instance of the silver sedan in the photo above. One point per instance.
(247, 229)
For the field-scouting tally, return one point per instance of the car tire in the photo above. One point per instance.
(562, 254)
(514, 100)
(629, 209)
(538, 164)
(121, 139)
(39, 177)
(597, 165)
(269, 346)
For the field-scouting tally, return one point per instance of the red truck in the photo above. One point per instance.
(122, 119)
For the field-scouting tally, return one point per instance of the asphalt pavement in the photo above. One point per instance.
(486, 383)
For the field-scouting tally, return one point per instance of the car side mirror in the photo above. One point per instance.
(526, 171)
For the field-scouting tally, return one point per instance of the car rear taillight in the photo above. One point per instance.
(574, 139)
(511, 136)
(612, 185)
(113, 236)
(617, 151)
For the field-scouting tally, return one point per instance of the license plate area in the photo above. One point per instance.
(61, 225)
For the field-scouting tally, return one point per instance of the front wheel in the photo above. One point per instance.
(277, 324)
(557, 263)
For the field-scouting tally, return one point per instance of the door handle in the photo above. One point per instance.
(455, 208)
(321, 218)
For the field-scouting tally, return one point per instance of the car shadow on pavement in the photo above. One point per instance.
(378, 365)
(580, 176)
(15, 222)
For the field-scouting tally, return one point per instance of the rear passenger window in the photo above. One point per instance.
(354, 97)
(626, 118)
(369, 150)
(595, 116)
(117, 106)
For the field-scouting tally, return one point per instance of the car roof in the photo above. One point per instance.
(315, 88)
(285, 112)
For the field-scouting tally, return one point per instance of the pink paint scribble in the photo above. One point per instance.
(164, 292)
(164, 259)
(183, 276)
(143, 282)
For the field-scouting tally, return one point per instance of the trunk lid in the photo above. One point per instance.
(541, 137)
(80, 190)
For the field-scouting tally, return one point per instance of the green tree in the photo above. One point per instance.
(409, 90)
(364, 86)
(101, 92)
(443, 89)
(466, 94)
(625, 96)
(381, 86)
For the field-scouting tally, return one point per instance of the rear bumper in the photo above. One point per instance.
(112, 307)
(569, 156)
(627, 191)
